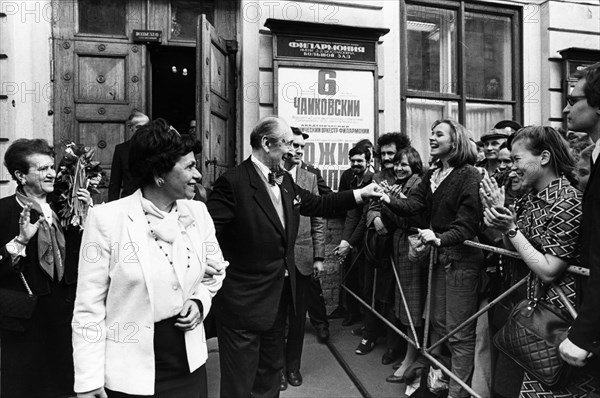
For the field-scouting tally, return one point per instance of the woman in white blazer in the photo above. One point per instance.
(149, 267)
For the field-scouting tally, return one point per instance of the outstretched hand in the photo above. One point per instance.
(373, 190)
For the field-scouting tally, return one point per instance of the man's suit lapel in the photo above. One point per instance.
(301, 176)
(262, 197)
(594, 175)
(137, 228)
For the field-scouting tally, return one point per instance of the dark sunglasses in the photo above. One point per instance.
(572, 100)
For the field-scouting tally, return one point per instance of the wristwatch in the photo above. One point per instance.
(511, 233)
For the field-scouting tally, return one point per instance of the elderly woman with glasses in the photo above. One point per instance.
(37, 355)
(150, 266)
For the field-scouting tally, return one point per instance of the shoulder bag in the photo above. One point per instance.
(531, 336)
(16, 308)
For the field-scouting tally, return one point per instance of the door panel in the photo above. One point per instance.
(98, 84)
(100, 79)
(218, 148)
(215, 69)
(103, 137)
(217, 72)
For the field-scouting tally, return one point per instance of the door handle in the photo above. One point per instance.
(207, 162)
(214, 163)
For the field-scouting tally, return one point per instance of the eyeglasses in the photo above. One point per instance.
(572, 100)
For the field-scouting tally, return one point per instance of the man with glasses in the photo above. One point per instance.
(256, 209)
(583, 114)
(309, 256)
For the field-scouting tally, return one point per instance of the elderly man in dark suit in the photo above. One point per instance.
(121, 182)
(583, 114)
(256, 209)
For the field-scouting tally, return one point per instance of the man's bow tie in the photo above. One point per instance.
(276, 177)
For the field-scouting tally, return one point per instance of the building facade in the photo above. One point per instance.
(73, 70)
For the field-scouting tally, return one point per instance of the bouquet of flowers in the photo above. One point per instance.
(77, 170)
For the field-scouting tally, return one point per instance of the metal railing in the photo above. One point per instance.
(423, 348)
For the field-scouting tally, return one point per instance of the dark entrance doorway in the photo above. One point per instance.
(173, 77)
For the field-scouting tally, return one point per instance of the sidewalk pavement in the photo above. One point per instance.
(322, 373)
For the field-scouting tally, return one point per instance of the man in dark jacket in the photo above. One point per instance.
(121, 182)
(309, 255)
(583, 114)
(349, 249)
(256, 209)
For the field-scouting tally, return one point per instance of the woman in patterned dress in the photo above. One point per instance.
(544, 231)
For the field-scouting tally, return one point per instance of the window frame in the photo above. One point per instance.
(169, 27)
(461, 7)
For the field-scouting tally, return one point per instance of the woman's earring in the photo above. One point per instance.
(160, 182)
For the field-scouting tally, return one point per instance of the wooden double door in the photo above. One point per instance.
(100, 81)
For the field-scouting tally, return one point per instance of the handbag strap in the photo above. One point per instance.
(24, 281)
(563, 298)
(540, 291)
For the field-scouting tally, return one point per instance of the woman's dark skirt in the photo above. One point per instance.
(39, 362)
(173, 377)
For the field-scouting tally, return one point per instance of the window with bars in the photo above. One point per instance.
(462, 61)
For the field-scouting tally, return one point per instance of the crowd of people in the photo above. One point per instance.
(125, 304)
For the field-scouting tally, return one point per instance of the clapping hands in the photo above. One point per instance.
(495, 214)
(491, 195)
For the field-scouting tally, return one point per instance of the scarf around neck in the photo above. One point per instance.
(51, 240)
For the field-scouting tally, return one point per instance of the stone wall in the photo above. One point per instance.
(330, 280)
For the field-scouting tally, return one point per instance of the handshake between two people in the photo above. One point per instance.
(426, 236)
(373, 190)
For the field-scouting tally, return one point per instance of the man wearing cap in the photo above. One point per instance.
(492, 141)
(309, 254)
